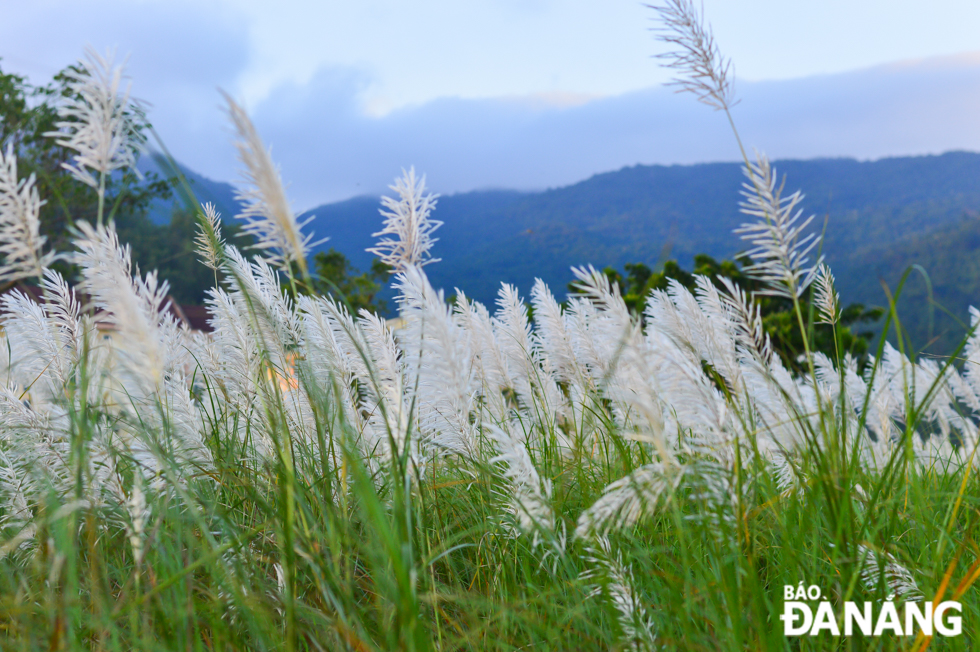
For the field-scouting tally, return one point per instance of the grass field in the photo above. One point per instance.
(307, 479)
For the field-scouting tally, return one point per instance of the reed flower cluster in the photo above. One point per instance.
(330, 480)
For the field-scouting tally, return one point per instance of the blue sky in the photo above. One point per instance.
(516, 93)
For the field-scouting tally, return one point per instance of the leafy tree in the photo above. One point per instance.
(335, 275)
(29, 112)
(778, 318)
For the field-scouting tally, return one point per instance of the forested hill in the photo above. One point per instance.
(881, 216)
(219, 193)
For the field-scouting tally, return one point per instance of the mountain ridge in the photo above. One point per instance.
(877, 215)
(645, 213)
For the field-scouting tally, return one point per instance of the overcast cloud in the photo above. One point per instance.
(513, 93)
(329, 149)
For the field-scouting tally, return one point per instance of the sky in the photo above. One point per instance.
(515, 93)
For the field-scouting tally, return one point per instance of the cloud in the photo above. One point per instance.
(179, 53)
(330, 148)
(333, 139)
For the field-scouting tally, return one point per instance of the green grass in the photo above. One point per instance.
(422, 563)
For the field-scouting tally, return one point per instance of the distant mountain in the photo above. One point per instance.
(881, 216)
(220, 193)
(947, 262)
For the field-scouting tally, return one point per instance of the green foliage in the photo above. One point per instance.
(777, 313)
(27, 113)
(945, 283)
(170, 250)
(335, 275)
(882, 216)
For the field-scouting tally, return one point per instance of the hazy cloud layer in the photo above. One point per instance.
(330, 150)
(331, 147)
(179, 53)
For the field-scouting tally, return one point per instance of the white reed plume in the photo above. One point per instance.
(138, 513)
(136, 307)
(267, 214)
(627, 500)
(750, 333)
(552, 336)
(535, 386)
(898, 580)
(616, 580)
(529, 494)
(826, 299)
(439, 363)
(489, 362)
(44, 340)
(701, 68)
(780, 248)
(20, 224)
(100, 121)
(208, 240)
(407, 222)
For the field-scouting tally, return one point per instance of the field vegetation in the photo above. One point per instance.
(308, 477)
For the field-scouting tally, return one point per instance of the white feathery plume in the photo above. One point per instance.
(137, 308)
(616, 580)
(14, 496)
(328, 361)
(272, 316)
(267, 214)
(552, 335)
(63, 311)
(898, 580)
(701, 68)
(780, 406)
(382, 349)
(691, 396)
(385, 381)
(635, 391)
(99, 120)
(629, 499)
(20, 224)
(535, 386)
(407, 224)
(746, 315)
(609, 343)
(716, 329)
(43, 345)
(971, 366)
(236, 353)
(490, 367)
(365, 352)
(208, 239)
(138, 513)
(668, 316)
(589, 345)
(825, 296)
(439, 364)
(36, 451)
(884, 407)
(237, 372)
(780, 248)
(185, 421)
(40, 356)
(530, 495)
